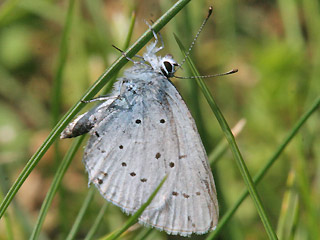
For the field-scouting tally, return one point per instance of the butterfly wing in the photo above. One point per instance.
(126, 156)
(143, 138)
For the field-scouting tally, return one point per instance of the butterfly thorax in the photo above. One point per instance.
(141, 80)
(164, 65)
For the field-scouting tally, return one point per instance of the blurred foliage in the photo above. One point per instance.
(274, 44)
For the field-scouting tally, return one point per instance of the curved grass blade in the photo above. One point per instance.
(94, 89)
(55, 185)
(234, 148)
(267, 166)
(134, 218)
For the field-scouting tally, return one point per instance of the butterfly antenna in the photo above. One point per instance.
(210, 76)
(196, 37)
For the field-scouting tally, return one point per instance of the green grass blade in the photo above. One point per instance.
(94, 89)
(55, 185)
(234, 148)
(134, 218)
(97, 222)
(81, 214)
(267, 166)
(130, 32)
(62, 58)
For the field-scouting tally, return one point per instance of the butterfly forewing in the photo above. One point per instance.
(127, 162)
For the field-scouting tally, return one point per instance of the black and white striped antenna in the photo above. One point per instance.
(190, 48)
(196, 37)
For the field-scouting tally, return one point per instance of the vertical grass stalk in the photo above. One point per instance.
(234, 148)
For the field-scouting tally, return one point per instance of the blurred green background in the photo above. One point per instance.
(274, 44)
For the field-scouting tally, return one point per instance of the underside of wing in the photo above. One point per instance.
(134, 147)
(127, 154)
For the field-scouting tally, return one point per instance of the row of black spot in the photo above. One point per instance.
(138, 121)
(184, 194)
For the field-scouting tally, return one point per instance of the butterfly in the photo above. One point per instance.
(140, 133)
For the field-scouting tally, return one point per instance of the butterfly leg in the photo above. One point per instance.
(100, 98)
(127, 101)
(130, 59)
(155, 35)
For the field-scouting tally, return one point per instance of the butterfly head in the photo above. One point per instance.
(164, 65)
(168, 65)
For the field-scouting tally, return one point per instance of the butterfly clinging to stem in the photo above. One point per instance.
(142, 132)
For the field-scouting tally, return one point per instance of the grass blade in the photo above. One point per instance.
(62, 58)
(267, 166)
(234, 148)
(134, 218)
(130, 32)
(94, 89)
(55, 185)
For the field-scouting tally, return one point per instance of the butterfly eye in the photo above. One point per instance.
(168, 68)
